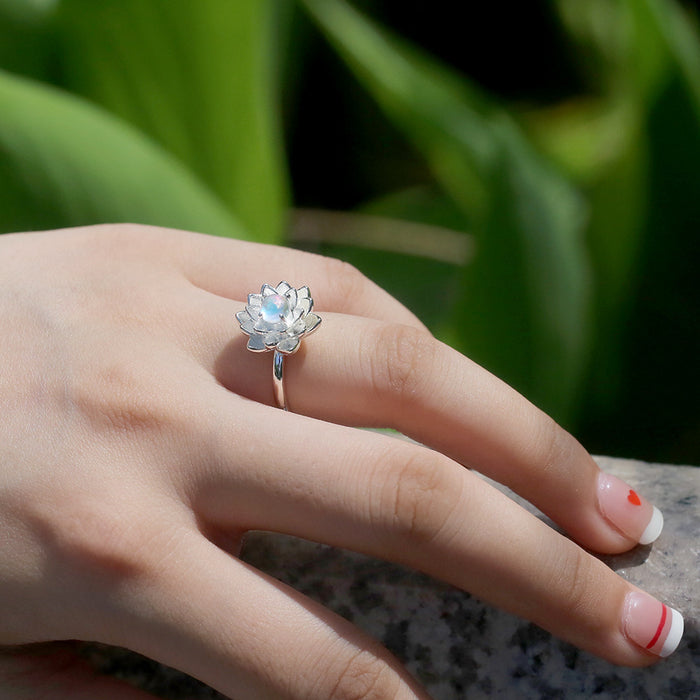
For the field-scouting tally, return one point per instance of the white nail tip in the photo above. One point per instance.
(674, 634)
(653, 529)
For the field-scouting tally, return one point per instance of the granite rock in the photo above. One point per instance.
(460, 647)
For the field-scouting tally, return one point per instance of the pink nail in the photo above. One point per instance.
(652, 625)
(627, 511)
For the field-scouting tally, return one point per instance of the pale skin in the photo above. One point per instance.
(139, 442)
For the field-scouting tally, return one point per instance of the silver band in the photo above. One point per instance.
(278, 380)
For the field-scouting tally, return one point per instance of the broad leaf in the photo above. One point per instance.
(64, 162)
(200, 78)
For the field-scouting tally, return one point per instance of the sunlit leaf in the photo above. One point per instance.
(200, 78)
(64, 162)
(601, 144)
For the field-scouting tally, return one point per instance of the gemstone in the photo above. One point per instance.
(274, 308)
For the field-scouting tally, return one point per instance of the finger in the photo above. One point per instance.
(392, 376)
(234, 269)
(357, 371)
(54, 672)
(399, 501)
(249, 636)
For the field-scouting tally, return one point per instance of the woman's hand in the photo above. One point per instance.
(139, 442)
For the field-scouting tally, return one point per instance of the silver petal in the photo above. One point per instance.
(248, 326)
(304, 292)
(267, 290)
(288, 345)
(283, 287)
(263, 326)
(304, 304)
(299, 327)
(256, 344)
(253, 311)
(246, 322)
(291, 295)
(312, 322)
(255, 300)
(272, 338)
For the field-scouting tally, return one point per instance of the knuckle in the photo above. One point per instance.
(128, 416)
(345, 279)
(418, 497)
(119, 234)
(96, 536)
(574, 574)
(117, 398)
(553, 447)
(365, 677)
(395, 355)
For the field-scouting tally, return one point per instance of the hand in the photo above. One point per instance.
(139, 443)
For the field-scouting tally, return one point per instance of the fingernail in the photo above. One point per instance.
(652, 625)
(626, 510)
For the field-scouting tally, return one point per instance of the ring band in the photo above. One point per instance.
(278, 380)
(276, 320)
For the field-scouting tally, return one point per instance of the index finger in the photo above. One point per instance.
(233, 269)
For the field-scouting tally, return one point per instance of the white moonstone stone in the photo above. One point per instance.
(274, 308)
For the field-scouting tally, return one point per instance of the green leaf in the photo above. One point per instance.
(26, 39)
(64, 162)
(664, 337)
(679, 37)
(602, 145)
(637, 146)
(198, 77)
(617, 47)
(524, 303)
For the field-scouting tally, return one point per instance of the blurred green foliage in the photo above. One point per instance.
(554, 240)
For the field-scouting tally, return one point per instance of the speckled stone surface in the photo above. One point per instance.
(461, 648)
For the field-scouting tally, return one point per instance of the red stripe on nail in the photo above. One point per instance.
(660, 628)
(633, 498)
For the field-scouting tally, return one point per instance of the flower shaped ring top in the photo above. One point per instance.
(277, 319)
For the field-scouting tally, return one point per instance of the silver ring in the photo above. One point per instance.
(276, 320)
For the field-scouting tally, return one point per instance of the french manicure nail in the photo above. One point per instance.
(626, 510)
(652, 625)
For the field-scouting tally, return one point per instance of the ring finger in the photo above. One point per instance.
(360, 371)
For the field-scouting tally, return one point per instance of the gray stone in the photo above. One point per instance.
(459, 647)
